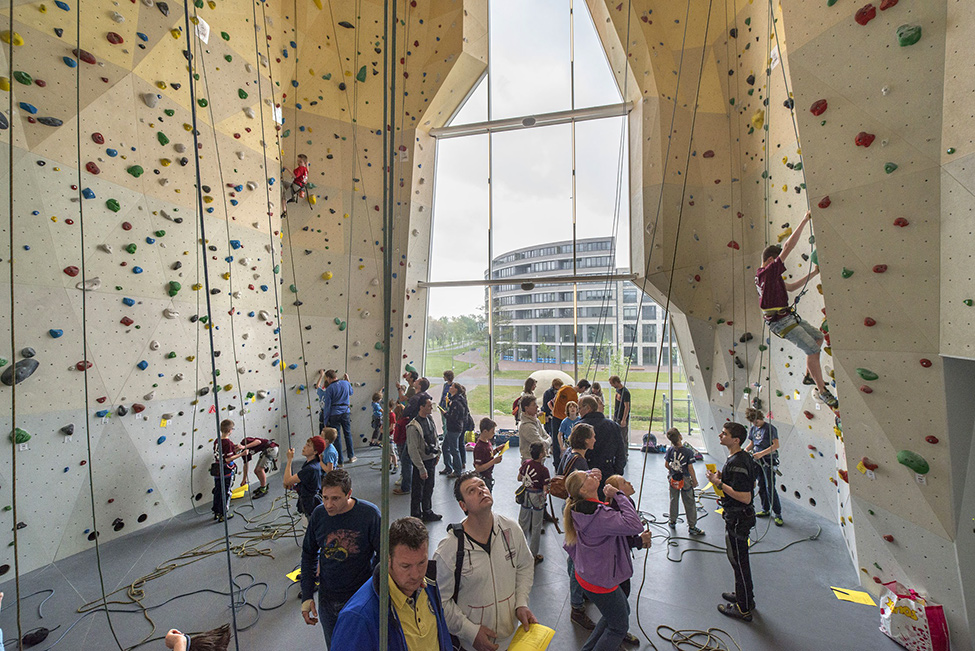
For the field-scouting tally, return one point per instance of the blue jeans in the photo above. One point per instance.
(405, 467)
(766, 486)
(613, 623)
(576, 593)
(328, 615)
(342, 423)
(451, 451)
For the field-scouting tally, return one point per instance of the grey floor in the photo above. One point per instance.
(796, 609)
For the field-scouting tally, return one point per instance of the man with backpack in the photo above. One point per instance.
(423, 447)
(485, 571)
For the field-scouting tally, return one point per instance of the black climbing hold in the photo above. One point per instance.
(739, 363)
(177, 265)
(750, 79)
(206, 188)
(346, 24)
(143, 517)
(342, 86)
(184, 161)
(163, 8)
(28, 352)
(92, 536)
(194, 318)
(789, 103)
(197, 497)
(307, 327)
(297, 303)
(178, 220)
(58, 32)
(174, 85)
(4, 569)
(745, 337)
(19, 372)
(3, 121)
(117, 525)
(50, 122)
(214, 291)
(122, 410)
(212, 247)
(216, 353)
(68, 429)
(21, 525)
(204, 391)
(733, 32)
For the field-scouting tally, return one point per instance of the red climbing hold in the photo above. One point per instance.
(933, 440)
(887, 4)
(866, 389)
(824, 203)
(697, 278)
(879, 268)
(733, 245)
(72, 271)
(865, 14)
(864, 139)
(709, 153)
(126, 321)
(819, 107)
(868, 464)
(40, 83)
(92, 168)
(811, 446)
(82, 365)
(126, 226)
(900, 221)
(138, 408)
(98, 138)
(85, 56)
(808, 415)
(101, 400)
(114, 39)
(889, 538)
(926, 363)
(720, 386)
(869, 322)
(844, 475)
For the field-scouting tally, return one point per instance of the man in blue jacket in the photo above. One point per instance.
(416, 618)
(335, 396)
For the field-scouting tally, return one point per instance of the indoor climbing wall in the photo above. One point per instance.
(333, 105)
(117, 284)
(709, 196)
(879, 96)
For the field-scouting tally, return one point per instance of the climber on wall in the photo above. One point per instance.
(300, 180)
(782, 319)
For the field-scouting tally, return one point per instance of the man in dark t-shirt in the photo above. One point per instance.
(782, 320)
(737, 481)
(621, 407)
(342, 543)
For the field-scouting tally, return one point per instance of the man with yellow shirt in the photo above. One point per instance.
(416, 618)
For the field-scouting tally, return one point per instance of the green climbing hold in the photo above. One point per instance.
(204, 319)
(378, 345)
(846, 273)
(293, 288)
(778, 393)
(814, 258)
(287, 132)
(830, 3)
(908, 34)
(762, 348)
(170, 112)
(343, 326)
(824, 327)
(968, 302)
(174, 287)
(867, 374)
(951, 150)
(228, 58)
(19, 436)
(277, 268)
(162, 138)
(732, 101)
(361, 75)
(914, 461)
(746, 390)
(113, 205)
(870, 511)
(131, 247)
(250, 395)
(338, 321)
(798, 166)
(3, 362)
(410, 368)
(23, 77)
(241, 93)
(171, 355)
(225, 36)
(890, 167)
(720, 321)
(159, 233)
(748, 21)
(198, 4)
(136, 171)
(203, 102)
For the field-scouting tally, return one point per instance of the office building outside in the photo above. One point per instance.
(535, 323)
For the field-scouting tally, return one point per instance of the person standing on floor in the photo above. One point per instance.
(489, 556)
(377, 420)
(398, 426)
(534, 476)
(597, 539)
(565, 428)
(308, 481)
(424, 452)
(335, 395)
(527, 391)
(679, 461)
(596, 391)
(416, 618)
(341, 548)
(737, 480)
(763, 444)
(566, 394)
(581, 440)
(486, 456)
(225, 453)
(551, 424)
(621, 406)
(458, 418)
(530, 431)
(643, 541)
(609, 452)
(448, 379)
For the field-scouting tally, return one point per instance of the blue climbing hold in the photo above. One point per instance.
(143, 365)
(150, 240)
(129, 301)
(102, 413)
(137, 270)
(233, 202)
(70, 62)
(160, 440)
(238, 188)
(55, 333)
(229, 258)
(264, 288)
(111, 152)
(250, 314)
(292, 366)
(87, 193)
(30, 108)
(142, 37)
(235, 244)
(62, 5)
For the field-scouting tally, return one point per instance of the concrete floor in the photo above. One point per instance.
(796, 609)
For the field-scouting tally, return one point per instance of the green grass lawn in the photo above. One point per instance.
(439, 361)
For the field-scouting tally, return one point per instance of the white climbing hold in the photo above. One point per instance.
(264, 315)
(356, 342)
(164, 182)
(107, 248)
(251, 185)
(374, 282)
(89, 285)
(151, 99)
(364, 314)
(415, 232)
(240, 155)
(179, 147)
(178, 377)
(149, 396)
(245, 335)
(248, 67)
(262, 394)
(357, 357)
(249, 112)
(262, 356)
(245, 261)
(236, 295)
(165, 215)
(117, 17)
(153, 345)
(170, 313)
(168, 416)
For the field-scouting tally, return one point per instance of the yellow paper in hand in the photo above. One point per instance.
(504, 448)
(717, 489)
(537, 638)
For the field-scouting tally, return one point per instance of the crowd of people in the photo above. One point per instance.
(476, 592)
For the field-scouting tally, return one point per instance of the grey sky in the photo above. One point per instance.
(532, 168)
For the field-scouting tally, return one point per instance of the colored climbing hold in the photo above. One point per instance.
(126, 321)
(887, 4)
(55, 333)
(868, 464)
(23, 77)
(866, 389)
(72, 271)
(869, 322)
(733, 245)
(87, 57)
(889, 538)
(98, 138)
(879, 268)
(824, 203)
(68, 61)
(114, 39)
(131, 247)
(361, 75)
(113, 205)
(12, 38)
(758, 119)
(914, 461)
(19, 372)
(900, 221)
(225, 36)
(933, 440)
(865, 14)
(160, 440)
(50, 122)
(867, 374)
(136, 171)
(19, 436)
(242, 93)
(864, 139)
(969, 302)
(926, 363)
(30, 108)
(143, 365)
(908, 35)
(818, 107)
(890, 167)
(162, 138)
(174, 287)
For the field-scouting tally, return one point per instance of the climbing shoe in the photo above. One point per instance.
(808, 379)
(732, 598)
(829, 399)
(631, 639)
(762, 514)
(778, 521)
(260, 492)
(732, 610)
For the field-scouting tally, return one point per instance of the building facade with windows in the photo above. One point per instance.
(537, 323)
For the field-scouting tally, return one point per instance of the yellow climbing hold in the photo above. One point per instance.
(165, 162)
(318, 3)
(161, 85)
(187, 127)
(42, 8)
(225, 275)
(784, 234)
(175, 33)
(4, 83)
(212, 4)
(208, 199)
(191, 358)
(327, 275)
(312, 199)
(228, 387)
(197, 287)
(758, 119)
(11, 37)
